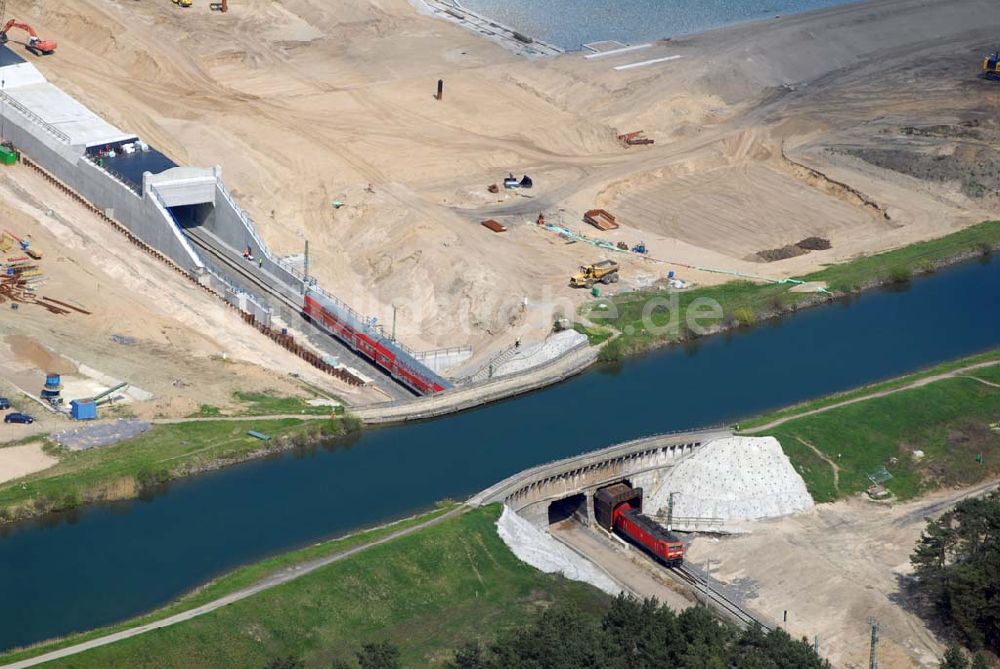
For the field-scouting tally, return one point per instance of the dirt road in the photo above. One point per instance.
(832, 568)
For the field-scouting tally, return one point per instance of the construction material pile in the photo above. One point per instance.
(21, 276)
(731, 480)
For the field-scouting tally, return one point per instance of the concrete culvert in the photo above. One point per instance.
(564, 509)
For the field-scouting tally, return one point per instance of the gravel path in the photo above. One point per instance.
(279, 578)
(919, 383)
(215, 419)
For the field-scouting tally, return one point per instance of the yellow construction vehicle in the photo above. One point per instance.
(182, 3)
(605, 271)
(991, 66)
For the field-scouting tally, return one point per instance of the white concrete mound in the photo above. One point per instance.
(536, 547)
(732, 479)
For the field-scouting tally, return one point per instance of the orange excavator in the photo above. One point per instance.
(37, 46)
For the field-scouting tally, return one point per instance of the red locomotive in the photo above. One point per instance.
(649, 535)
(618, 508)
(382, 351)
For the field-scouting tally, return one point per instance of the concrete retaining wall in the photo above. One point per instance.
(141, 214)
(234, 227)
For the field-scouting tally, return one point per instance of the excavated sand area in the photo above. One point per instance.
(832, 568)
(306, 102)
(147, 324)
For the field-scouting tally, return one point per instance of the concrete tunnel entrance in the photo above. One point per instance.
(569, 507)
(192, 215)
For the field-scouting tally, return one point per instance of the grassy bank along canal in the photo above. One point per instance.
(628, 316)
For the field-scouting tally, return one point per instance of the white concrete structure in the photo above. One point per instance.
(538, 354)
(25, 86)
(185, 185)
(733, 479)
(537, 547)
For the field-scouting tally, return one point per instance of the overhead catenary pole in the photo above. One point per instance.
(305, 267)
(873, 656)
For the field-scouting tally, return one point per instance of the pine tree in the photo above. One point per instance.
(954, 658)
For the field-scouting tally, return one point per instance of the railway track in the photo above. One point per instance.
(726, 605)
(323, 341)
(205, 244)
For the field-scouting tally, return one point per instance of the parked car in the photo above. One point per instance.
(18, 418)
(4, 403)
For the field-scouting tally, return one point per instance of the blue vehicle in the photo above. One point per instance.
(18, 418)
(4, 403)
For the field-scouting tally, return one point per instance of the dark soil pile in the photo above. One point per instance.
(792, 250)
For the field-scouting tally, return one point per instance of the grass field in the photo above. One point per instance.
(265, 404)
(745, 302)
(949, 420)
(165, 452)
(751, 424)
(426, 592)
(235, 580)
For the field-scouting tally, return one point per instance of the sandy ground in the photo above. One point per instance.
(316, 101)
(832, 568)
(634, 571)
(18, 461)
(185, 347)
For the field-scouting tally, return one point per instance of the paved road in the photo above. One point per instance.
(279, 578)
(919, 383)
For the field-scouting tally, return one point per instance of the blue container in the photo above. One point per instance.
(83, 409)
(53, 382)
(670, 274)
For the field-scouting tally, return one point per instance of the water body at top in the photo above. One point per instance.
(572, 23)
(108, 562)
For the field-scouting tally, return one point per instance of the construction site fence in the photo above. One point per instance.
(286, 340)
(433, 353)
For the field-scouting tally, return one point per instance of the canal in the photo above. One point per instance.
(108, 562)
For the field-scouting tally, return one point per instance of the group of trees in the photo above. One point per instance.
(957, 569)
(633, 634)
(637, 634)
(379, 655)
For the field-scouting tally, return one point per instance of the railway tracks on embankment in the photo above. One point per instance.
(717, 599)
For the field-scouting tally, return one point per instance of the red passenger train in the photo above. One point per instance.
(383, 352)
